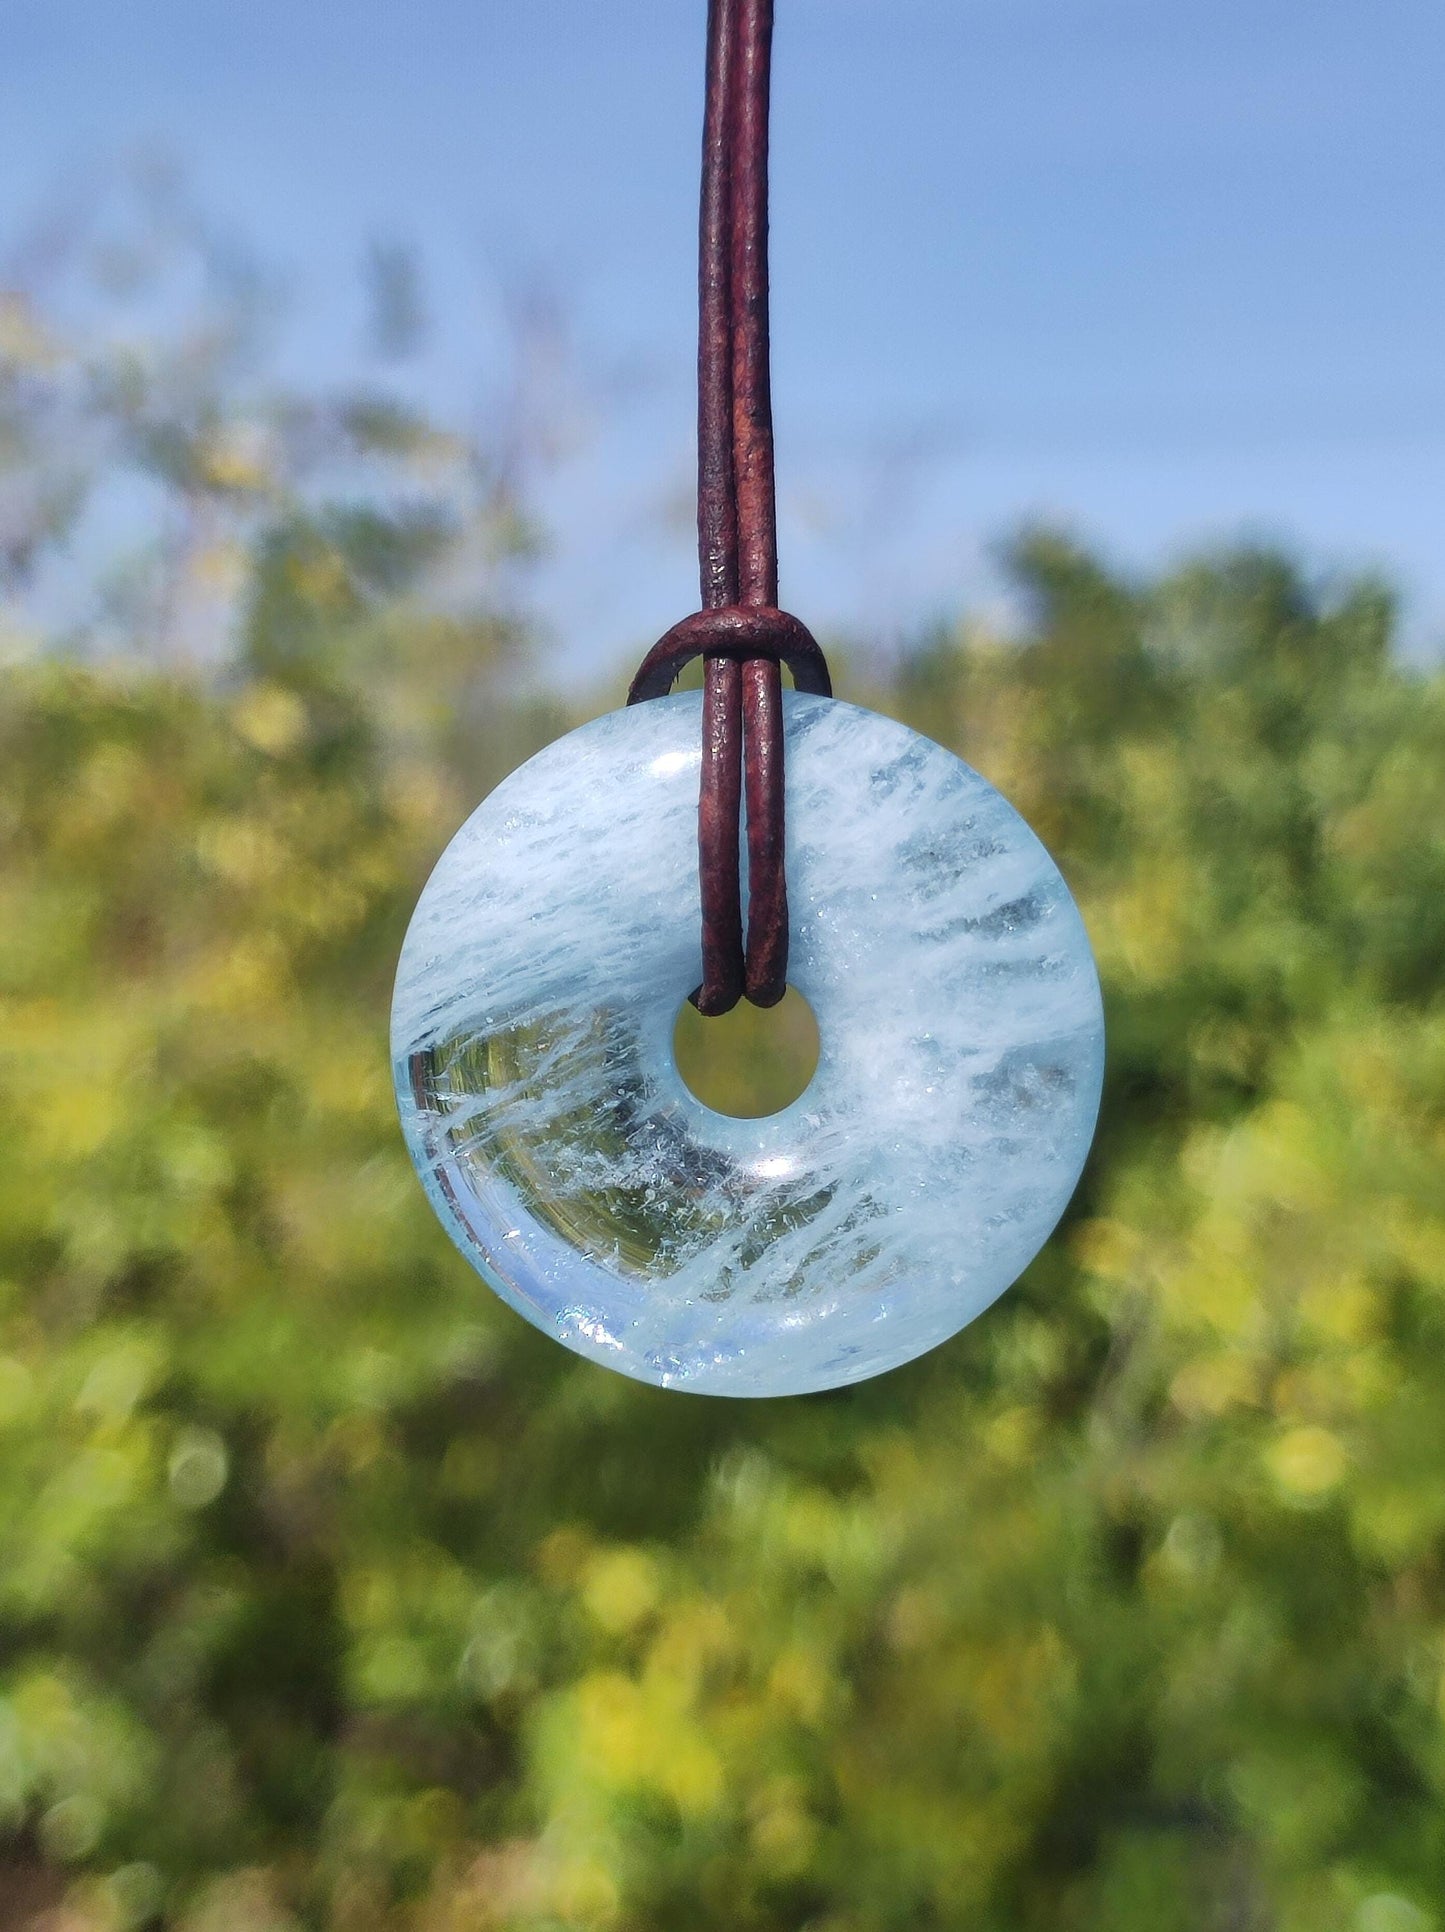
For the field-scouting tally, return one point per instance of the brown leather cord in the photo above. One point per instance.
(741, 635)
(731, 632)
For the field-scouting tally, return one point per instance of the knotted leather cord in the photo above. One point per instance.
(741, 635)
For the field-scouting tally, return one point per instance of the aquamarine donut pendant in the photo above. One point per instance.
(924, 1166)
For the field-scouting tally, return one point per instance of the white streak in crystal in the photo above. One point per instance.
(961, 1057)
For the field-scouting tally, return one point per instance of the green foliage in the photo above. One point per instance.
(331, 1594)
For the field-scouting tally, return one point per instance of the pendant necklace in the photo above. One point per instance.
(961, 1039)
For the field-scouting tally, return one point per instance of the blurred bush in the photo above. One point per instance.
(332, 1595)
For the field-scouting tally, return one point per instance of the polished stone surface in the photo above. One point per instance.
(920, 1171)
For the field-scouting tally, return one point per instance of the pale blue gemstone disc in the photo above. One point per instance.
(962, 1050)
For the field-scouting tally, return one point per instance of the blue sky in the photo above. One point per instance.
(1161, 270)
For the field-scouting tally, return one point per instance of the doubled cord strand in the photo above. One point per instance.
(720, 790)
(740, 633)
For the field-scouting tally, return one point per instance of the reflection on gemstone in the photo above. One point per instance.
(566, 1112)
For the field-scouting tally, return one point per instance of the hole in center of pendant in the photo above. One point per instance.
(753, 1061)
